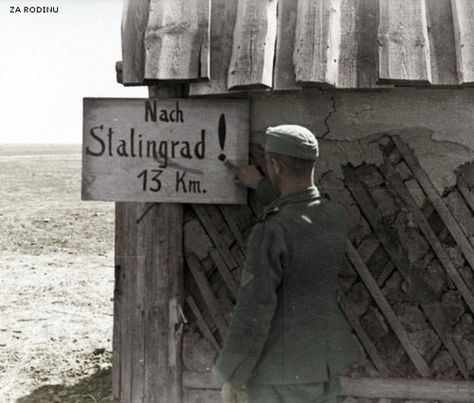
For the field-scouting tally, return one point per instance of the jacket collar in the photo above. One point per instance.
(311, 193)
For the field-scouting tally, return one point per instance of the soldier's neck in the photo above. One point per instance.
(292, 186)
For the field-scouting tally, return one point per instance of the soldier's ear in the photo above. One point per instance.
(277, 165)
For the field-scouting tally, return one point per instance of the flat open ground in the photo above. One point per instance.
(57, 274)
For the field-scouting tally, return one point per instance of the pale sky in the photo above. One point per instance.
(49, 62)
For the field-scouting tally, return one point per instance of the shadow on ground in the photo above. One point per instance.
(96, 388)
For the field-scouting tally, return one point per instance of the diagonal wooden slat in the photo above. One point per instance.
(225, 272)
(385, 235)
(467, 194)
(396, 182)
(367, 247)
(223, 15)
(365, 340)
(461, 212)
(438, 203)
(215, 236)
(419, 290)
(225, 210)
(463, 13)
(404, 50)
(201, 322)
(385, 307)
(386, 272)
(207, 294)
(254, 44)
(134, 23)
(317, 41)
(438, 320)
(177, 40)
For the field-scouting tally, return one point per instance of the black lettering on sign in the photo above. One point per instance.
(175, 115)
(185, 185)
(156, 183)
(186, 151)
(194, 186)
(150, 112)
(96, 137)
(122, 148)
(180, 183)
(109, 135)
(200, 147)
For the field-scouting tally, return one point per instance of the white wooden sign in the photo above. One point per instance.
(171, 150)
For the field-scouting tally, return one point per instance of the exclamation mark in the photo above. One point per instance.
(221, 131)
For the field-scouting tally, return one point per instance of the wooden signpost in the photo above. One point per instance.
(167, 150)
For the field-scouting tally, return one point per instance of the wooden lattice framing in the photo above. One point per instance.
(406, 286)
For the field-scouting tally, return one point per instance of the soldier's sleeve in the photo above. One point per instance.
(255, 307)
(266, 192)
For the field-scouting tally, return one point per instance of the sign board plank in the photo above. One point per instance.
(169, 150)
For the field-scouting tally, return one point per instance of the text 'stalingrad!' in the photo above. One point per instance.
(169, 150)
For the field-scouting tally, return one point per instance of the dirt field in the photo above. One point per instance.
(57, 279)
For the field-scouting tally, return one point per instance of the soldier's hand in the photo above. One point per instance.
(248, 175)
(229, 393)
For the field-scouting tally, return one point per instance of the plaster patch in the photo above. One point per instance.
(439, 159)
(436, 124)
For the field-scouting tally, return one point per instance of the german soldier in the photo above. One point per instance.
(287, 340)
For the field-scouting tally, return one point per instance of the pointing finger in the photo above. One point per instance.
(230, 165)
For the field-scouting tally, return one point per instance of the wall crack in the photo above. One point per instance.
(328, 116)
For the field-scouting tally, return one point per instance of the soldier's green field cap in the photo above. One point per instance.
(293, 140)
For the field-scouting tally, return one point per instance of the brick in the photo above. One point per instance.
(464, 338)
(435, 276)
(395, 356)
(453, 305)
(467, 173)
(384, 201)
(410, 316)
(370, 175)
(196, 240)
(346, 276)
(198, 353)
(359, 298)
(456, 256)
(410, 239)
(426, 342)
(374, 324)
(443, 366)
(468, 277)
(393, 289)
(403, 170)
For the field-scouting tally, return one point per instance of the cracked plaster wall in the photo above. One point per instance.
(438, 124)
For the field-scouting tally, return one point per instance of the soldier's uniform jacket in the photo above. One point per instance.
(286, 327)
